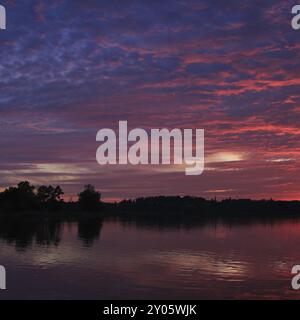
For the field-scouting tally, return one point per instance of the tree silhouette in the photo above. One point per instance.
(89, 198)
(21, 197)
(49, 196)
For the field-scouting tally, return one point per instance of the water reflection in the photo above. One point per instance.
(23, 232)
(89, 230)
(26, 231)
(149, 258)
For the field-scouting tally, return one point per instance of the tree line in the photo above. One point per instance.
(26, 197)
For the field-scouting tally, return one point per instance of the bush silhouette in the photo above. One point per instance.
(89, 199)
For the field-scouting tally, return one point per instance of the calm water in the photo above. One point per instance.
(114, 260)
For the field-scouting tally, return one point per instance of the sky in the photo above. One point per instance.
(70, 67)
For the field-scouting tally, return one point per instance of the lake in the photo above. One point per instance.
(111, 259)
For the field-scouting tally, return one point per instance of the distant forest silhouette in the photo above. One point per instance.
(28, 198)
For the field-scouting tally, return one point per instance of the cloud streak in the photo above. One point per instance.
(70, 68)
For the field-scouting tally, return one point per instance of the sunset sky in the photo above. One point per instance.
(71, 67)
